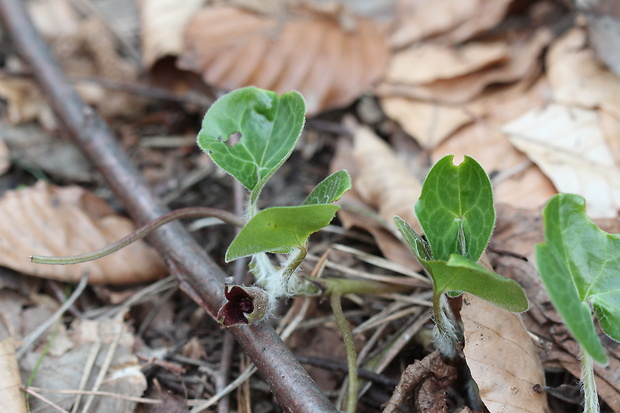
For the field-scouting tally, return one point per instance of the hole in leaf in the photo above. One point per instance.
(234, 139)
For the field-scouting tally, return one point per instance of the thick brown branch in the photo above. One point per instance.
(198, 275)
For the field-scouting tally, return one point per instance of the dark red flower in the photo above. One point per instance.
(244, 305)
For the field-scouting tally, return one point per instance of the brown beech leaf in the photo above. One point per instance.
(453, 21)
(502, 358)
(313, 54)
(568, 144)
(523, 50)
(53, 221)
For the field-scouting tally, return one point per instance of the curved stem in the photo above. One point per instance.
(349, 345)
(588, 385)
(192, 212)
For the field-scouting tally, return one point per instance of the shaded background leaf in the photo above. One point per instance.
(54, 221)
(233, 48)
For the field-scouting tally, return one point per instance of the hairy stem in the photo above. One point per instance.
(588, 385)
(444, 333)
(349, 345)
(192, 212)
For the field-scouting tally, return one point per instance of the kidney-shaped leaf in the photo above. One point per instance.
(456, 210)
(580, 266)
(329, 189)
(269, 126)
(460, 274)
(280, 229)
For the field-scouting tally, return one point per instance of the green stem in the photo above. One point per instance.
(588, 384)
(291, 265)
(349, 345)
(193, 212)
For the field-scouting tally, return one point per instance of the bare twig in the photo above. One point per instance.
(198, 275)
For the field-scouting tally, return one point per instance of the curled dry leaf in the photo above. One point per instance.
(568, 144)
(502, 358)
(25, 102)
(329, 65)
(53, 221)
(162, 26)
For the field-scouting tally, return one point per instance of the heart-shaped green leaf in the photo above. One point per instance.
(580, 266)
(460, 274)
(280, 229)
(456, 210)
(269, 126)
(330, 189)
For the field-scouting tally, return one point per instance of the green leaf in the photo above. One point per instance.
(461, 274)
(280, 229)
(330, 189)
(580, 266)
(456, 210)
(269, 126)
(417, 244)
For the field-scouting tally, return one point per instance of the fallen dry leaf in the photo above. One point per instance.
(25, 102)
(502, 359)
(11, 397)
(53, 221)
(524, 52)
(233, 48)
(357, 213)
(603, 21)
(569, 146)
(5, 159)
(578, 78)
(162, 26)
(383, 181)
(64, 369)
(430, 62)
(456, 20)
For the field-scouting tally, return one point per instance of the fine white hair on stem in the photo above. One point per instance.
(588, 385)
(444, 332)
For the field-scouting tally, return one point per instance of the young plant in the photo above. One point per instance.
(580, 268)
(269, 127)
(457, 216)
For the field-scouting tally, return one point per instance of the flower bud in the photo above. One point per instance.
(244, 305)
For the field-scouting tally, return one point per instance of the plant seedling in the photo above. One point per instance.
(580, 267)
(457, 215)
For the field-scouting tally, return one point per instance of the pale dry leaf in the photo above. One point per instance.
(578, 78)
(328, 65)
(162, 26)
(5, 159)
(427, 63)
(54, 18)
(54, 221)
(515, 180)
(64, 371)
(11, 397)
(524, 53)
(25, 102)
(611, 130)
(567, 143)
(457, 20)
(502, 358)
(351, 214)
(383, 181)
(428, 123)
